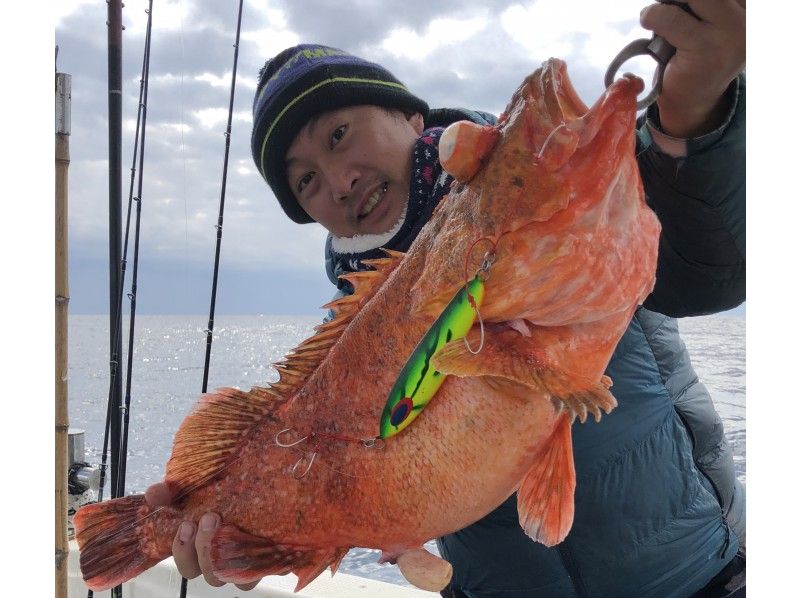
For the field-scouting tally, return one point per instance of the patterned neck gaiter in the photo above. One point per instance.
(429, 183)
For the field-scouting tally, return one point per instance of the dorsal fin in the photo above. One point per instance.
(302, 361)
(210, 434)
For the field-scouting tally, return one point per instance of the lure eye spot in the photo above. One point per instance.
(401, 411)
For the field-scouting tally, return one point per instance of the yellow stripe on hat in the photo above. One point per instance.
(308, 91)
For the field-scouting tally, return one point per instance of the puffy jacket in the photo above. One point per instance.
(658, 509)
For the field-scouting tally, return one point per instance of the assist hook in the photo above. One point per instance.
(657, 47)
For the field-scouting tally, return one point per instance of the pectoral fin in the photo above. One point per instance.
(508, 355)
(546, 497)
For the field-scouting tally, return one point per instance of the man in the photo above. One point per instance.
(658, 511)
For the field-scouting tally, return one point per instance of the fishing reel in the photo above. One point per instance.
(81, 476)
(83, 480)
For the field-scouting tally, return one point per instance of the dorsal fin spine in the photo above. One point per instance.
(295, 369)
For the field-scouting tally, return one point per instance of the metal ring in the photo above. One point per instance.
(654, 92)
(376, 443)
(488, 260)
(639, 47)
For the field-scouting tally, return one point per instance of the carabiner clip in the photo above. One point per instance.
(657, 47)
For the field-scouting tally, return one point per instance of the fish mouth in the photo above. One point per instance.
(563, 102)
(549, 99)
(562, 121)
(565, 99)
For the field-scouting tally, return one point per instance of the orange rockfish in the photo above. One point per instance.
(548, 207)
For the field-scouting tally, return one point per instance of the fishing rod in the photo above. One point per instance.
(143, 87)
(115, 426)
(114, 200)
(114, 24)
(210, 328)
(116, 341)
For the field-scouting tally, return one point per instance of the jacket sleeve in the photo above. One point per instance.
(697, 189)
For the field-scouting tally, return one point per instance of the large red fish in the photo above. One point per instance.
(552, 198)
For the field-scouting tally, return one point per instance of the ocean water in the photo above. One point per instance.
(168, 359)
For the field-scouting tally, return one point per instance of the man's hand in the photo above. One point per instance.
(191, 547)
(709, 54)
(191, 550)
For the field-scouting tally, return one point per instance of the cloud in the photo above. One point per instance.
(591, 33)
(171, 16)
(65, 8)
(210, 118)
(450, 52)
(407, 43)
(268, 32)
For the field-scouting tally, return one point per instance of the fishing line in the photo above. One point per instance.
(563, 125)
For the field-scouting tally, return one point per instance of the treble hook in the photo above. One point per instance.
(657, 47)
(290, 444)
(297, 476)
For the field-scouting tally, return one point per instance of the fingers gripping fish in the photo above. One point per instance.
(555, 189)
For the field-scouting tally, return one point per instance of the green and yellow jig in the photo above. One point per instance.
(418, 381)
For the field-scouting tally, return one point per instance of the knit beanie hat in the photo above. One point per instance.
(302, 82)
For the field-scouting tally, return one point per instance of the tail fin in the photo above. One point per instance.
(111, 536)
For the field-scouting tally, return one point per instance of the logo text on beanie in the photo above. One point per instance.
(320, 52)
(310, 54)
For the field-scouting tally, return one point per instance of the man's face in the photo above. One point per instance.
(350, 169)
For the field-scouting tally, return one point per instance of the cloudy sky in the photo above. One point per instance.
(451, 52)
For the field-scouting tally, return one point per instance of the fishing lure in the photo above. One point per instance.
(418, 381)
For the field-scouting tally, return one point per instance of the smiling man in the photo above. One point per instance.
(658, 509)
(359, 157)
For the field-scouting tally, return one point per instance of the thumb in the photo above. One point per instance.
(425, 570)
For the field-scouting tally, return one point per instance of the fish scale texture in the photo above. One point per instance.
(575, 249)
